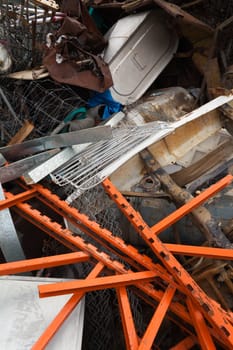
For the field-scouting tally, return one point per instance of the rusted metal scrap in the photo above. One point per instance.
(17, 151)
(71, 55)
(202, 216)
(215, 158)
(215, 277)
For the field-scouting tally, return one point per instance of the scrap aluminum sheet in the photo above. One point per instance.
(97, 162)
(25, 316)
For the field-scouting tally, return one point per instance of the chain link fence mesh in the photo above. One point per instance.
(23, 28)
(44, 103)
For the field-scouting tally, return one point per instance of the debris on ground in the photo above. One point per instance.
(116, 174)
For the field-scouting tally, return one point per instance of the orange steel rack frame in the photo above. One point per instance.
(155, 283)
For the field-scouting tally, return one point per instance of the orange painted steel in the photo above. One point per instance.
(40, 263)
(216, 316)
(66, 211)
(185, 344)
(200, 326)
(205, 252)
(156, 321)
(171, 273)
(57, 322)
(57, 232)
(192, 204)
(65, 236)
(108, 239)
(17, 198)
(131, 339)
(99, 283)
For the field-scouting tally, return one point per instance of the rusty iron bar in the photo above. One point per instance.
(219, 295)
(42, 263)
(60, 318)
(157, 319)
(191, 204)
(130, 334)
(216, 316)
(98, 283)
(208, 273)
(200, 326)
(205, 222)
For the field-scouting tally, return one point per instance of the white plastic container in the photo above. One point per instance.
(140, 46)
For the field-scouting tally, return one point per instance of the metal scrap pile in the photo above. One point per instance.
(116, 159)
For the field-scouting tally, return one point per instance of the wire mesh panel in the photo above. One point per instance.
(45, 103)
(99, 328)
(23, 30)
(89, 168)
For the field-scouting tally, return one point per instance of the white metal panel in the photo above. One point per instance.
(24, 316)
(137, 56)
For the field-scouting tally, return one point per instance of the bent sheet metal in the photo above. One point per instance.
(14, 170)
(15, 152)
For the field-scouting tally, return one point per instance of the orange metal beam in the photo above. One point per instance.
(192, 204)
(120, 268)
(17, 198)
(185, 344)
(40, 263)
(217, 317)
(130, 334)
(201, 328)
(99, 283)
(88, 226)
(65, 237)
(157, 319)
(206, 252)
(64, 313)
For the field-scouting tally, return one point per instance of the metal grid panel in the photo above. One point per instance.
(93, 165)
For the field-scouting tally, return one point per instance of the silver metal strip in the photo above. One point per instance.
(9, 241)
(41, 144)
